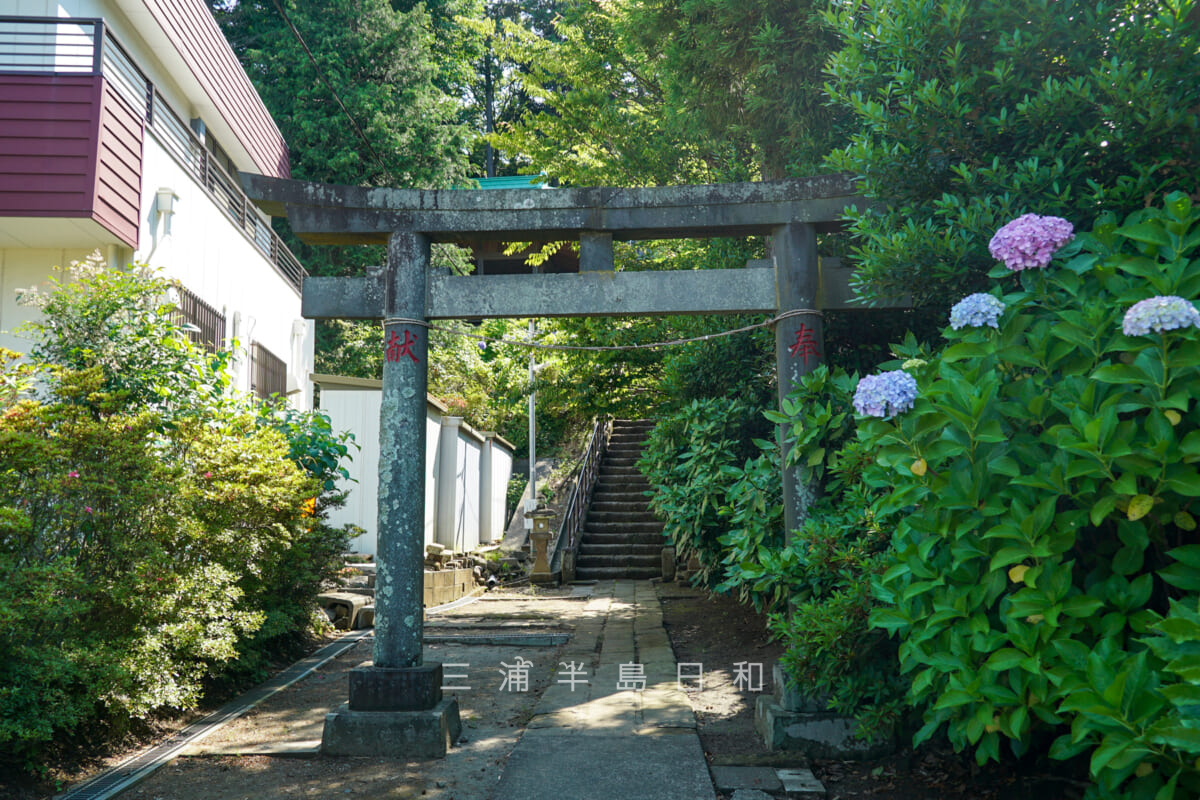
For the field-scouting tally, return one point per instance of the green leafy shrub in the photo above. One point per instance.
(969, 113)
(751, 512)
(120, 322)
(691, 460)
(826, 569)
(156, 533)
(1046, 570)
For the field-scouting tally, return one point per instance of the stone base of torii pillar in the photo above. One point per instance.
(393, 713)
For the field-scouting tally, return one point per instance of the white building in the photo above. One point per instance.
(466, 471)
(122, 126)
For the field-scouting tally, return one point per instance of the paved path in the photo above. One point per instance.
(598, 740)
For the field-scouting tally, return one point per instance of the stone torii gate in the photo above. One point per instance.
(396, 703)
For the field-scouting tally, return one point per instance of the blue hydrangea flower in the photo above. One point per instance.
(1030, 241)
(976, 310)
(885, 394)
(1160, 314)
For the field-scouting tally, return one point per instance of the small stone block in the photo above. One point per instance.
(595, 251)
(750, 794)
(813, 735)
(791, 699)
(729, 778)
(392, 734)
(395, 689)
(801, 784)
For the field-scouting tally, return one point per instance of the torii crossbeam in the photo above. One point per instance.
(406, 294)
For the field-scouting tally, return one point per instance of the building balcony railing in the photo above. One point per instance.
(52, 45)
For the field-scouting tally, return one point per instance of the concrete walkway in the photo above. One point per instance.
(610, 738)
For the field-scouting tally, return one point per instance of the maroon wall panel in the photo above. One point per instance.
(69, 147)
(119, 168)
(46, 129)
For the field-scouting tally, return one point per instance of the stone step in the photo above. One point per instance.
(626, 560)
(628, 474)
(618, 533)
(622, 527)
(619, 498)
(609, 537)
(628, 482)
(622, 486)
(618, 573)
(606, 506)
(613, 462)
(601, 547)
(641, 424)
(622, 517)
(621, 537)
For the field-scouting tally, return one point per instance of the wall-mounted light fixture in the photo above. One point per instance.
(165, 201)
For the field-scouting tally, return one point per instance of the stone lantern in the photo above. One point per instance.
(540, 536)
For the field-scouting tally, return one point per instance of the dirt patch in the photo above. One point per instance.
(717, 630)
(720, 634)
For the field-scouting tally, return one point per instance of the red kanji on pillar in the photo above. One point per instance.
(805, 345)
(397, 350)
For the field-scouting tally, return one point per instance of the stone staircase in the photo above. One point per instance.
(621, 537)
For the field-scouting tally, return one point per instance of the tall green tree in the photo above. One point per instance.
(400, 126)
(971, 113)
(378, 61)
(746, 71)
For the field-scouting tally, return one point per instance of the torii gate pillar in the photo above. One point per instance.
(799, 343)
(396, 701)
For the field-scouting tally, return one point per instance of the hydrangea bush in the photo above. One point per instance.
(1044, 579)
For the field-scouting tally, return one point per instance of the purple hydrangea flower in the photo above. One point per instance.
(1030, 241)
(1160, 314)
(976, 310)
(885, 394)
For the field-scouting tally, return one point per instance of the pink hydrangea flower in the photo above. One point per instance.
(1030, 241)
(72, 474)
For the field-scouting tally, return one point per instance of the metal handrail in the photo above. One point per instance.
(53, 45)
(581, 493)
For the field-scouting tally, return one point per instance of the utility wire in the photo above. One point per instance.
(336, 97)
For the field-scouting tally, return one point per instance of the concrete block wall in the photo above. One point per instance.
(447, 585)
(467, 471)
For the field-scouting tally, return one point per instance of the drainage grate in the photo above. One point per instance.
(107, 784)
